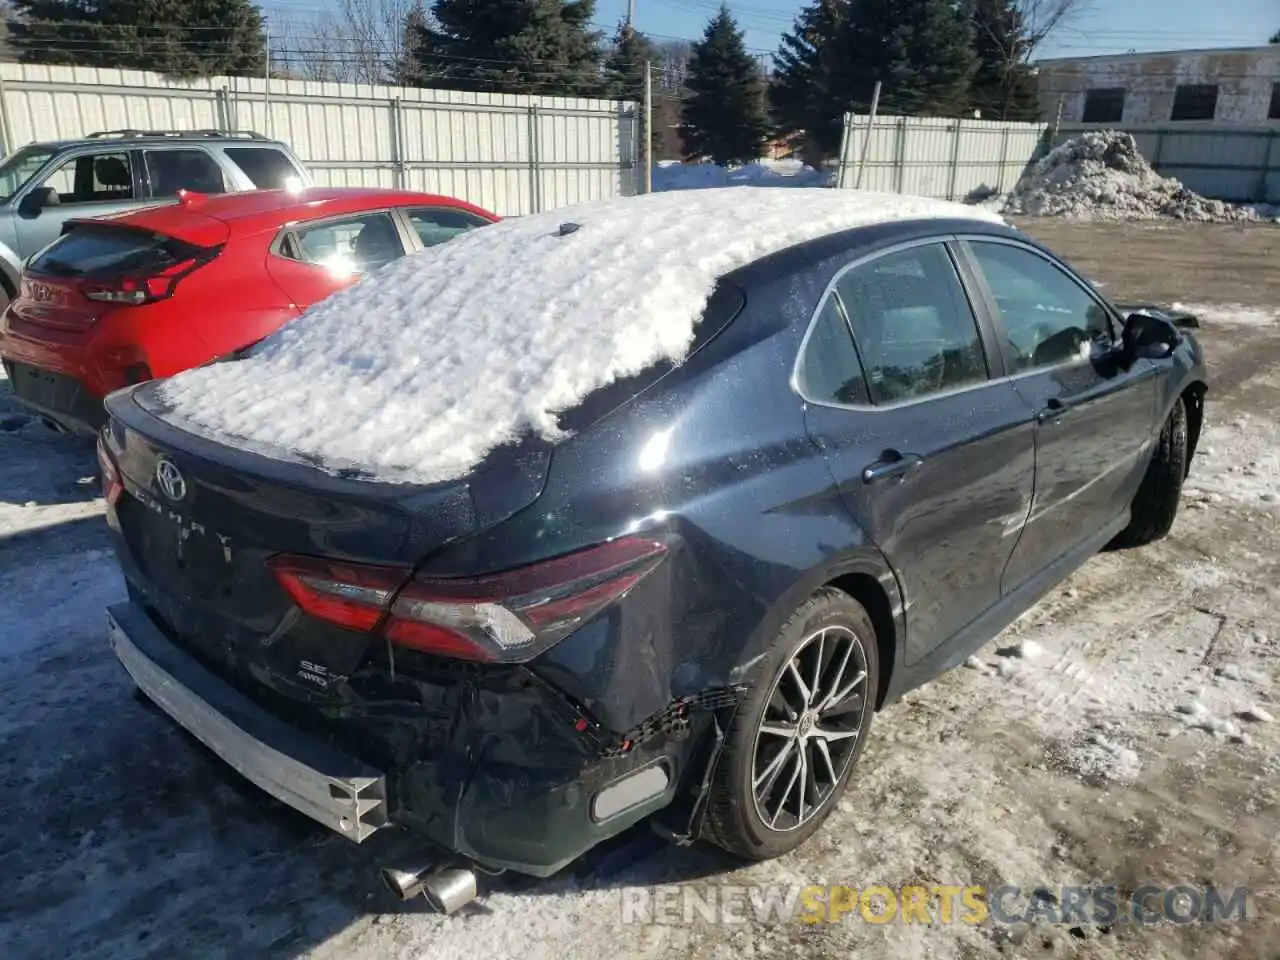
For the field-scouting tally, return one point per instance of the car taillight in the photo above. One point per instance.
(506, 617)
(112, 486)
(138, 289)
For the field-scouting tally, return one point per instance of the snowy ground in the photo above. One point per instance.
(674, 175)
(1118, 734)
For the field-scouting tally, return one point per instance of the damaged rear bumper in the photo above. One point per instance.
(333, 789)
(476, 791)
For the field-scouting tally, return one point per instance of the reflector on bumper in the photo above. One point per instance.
(332, 788)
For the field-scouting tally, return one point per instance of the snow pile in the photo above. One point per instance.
(1101, 175)
(674, 175)
(421, 369)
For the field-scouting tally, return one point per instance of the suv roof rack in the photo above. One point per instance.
(223, 134)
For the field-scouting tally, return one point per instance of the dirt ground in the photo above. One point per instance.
(1125, 732)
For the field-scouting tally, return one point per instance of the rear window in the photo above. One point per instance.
(267, 169)
(94, 250)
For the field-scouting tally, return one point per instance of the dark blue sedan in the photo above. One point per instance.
(636, 511)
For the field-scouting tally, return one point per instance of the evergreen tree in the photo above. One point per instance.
(1004, 87)
(920, 50)
(723, 117)
(180, 38)
(519, 46)
(624, 71)
(406, 71)
(802, 96)
(1275, 37)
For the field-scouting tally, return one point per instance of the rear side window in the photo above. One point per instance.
(435, 225)
(266, 168)
(830, 371)
(174, 170)
(93, 250)
(914, 327)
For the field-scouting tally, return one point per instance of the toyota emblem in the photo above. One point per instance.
(169, 477)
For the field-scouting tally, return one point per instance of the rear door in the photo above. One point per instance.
(312, 260)
(1094, 421)
(930, 445)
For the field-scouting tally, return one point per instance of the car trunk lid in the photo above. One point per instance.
(199, 523)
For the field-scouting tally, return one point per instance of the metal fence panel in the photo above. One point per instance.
(952, 159)
(510, 153)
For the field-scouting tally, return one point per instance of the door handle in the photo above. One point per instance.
(892, 465)
(1053, 410)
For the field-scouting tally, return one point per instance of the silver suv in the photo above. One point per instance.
(44, 184)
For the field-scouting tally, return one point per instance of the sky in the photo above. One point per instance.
(1099, 26)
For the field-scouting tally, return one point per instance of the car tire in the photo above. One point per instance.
(1155, 505)
(756, 809)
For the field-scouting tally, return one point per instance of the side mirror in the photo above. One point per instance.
(1148, 337)
(37, 200)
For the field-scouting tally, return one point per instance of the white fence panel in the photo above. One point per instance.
(509, 153)
(953, 159)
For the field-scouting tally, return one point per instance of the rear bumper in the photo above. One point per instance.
(338, 791)
(500, 788)
(56, 396)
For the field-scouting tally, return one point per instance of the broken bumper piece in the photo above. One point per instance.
(336, 790)
(513, 788)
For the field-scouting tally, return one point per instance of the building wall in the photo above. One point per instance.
(1245, 79)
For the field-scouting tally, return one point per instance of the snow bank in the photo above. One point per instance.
(1101, 175)
(418, 371)
(674, 175)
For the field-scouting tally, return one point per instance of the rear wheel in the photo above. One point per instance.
(799, 732)
(1156, 503)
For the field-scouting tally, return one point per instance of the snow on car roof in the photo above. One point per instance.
(421, 369)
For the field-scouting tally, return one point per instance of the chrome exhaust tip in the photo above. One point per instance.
(405, 879)
(449, 889)
(446, 889)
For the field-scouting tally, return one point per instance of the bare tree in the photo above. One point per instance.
(359, 41)
(1042, 18)
(672, 67)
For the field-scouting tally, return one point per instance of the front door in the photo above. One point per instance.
(88, 184)
(1094, 420)
(930, 446)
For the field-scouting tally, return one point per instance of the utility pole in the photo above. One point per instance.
(266, 75)
(866, 137)
(631, 15)
(646, 130)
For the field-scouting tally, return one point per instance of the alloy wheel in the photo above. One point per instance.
(808, 733)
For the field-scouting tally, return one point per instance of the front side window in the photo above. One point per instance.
(1048, 317)
(914, 327)
(94, 178)
(349, 246)
(20, 167)
(435, 225)
(174, 170)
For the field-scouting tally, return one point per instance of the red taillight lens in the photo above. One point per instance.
(112, 486)
(350, 595)
(507, 617)
(141, 289)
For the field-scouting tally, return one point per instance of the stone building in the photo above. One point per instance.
(1238, 87)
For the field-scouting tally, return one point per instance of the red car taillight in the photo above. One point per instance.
(112, 486)
(506, 617)
(138, 289)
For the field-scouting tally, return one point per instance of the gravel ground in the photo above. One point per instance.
(1117, 734)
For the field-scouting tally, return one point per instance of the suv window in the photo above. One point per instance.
(437, 224)
(830, 370)
(172, 170)
(352, 245)
(94, 178)
(1048, 317)
(266, 167)
(19, 167)
(913, 324)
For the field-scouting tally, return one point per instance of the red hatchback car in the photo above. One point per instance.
(119, 300)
